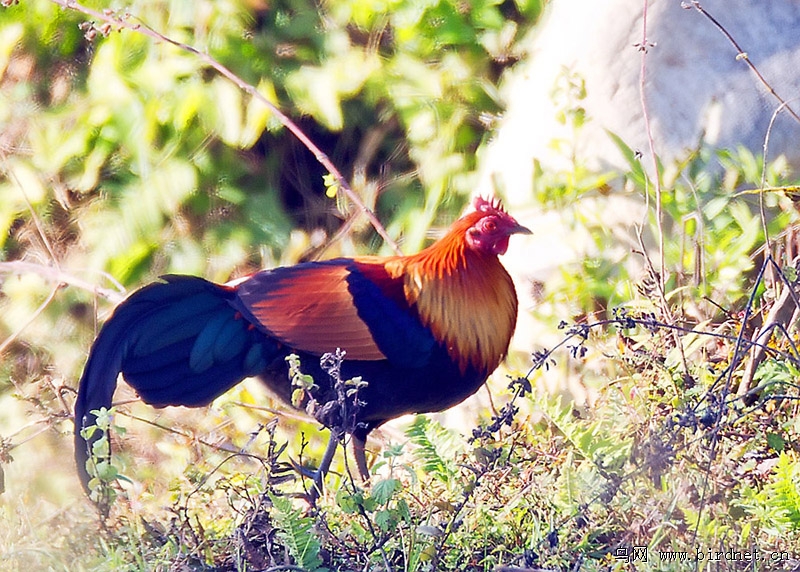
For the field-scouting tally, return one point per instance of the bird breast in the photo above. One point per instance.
(471, 308)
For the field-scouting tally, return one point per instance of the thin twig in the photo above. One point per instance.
(742, 55)
(34, 217)
(761, 206)
(661, 279)
(780, 307)
(112, 19)
(739, 349)
(10, 339)
(59, 276)
(190, 436)
(643, 48)
(44, 426)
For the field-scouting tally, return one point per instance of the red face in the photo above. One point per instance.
(491, 231)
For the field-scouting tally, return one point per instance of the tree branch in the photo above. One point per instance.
(59, 276)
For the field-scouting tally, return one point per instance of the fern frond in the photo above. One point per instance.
(436, 447)
(787, 488)
(297, 533)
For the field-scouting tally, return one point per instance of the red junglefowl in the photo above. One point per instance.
(423, 331)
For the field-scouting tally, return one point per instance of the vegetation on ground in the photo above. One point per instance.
(124, 159)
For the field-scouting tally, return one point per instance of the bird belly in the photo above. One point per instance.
(390, 391)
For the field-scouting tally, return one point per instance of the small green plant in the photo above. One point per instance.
(302, 383)
(103, 472)
(436, 447)
(786, 487)
(776, 505)
(297, 532)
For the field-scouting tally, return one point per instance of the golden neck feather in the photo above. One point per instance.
(467, 298)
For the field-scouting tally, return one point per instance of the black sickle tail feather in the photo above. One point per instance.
(177, 342)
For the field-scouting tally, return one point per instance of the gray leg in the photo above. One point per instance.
(360, 454)
(324, 465)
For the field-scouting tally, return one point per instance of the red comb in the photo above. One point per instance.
(488, 204)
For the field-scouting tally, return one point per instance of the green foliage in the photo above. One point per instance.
(141, 134)
(594, 440)
(711, 226)
(787, 488)
(99, 465)
(777, 505)
(297, 533)
(302, 383)
(382, 505)
(776, 375)
(436, 447)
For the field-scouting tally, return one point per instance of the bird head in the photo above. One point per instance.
(491, 226)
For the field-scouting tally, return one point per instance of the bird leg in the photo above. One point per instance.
(360, 455)
(317, 477)
(325, 463)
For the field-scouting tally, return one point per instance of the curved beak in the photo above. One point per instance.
(519, 229)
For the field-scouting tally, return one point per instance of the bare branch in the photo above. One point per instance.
(660, 276)
(10, 339)
(643, 48)
(59, 276)
(742, 55)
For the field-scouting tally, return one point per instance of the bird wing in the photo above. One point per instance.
(354, 305)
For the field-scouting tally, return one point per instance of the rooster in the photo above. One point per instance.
(423, 331)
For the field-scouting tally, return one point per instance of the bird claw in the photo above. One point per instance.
(317, 476)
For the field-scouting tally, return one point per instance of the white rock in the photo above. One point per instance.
(696, 88)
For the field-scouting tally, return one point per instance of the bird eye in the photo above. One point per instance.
(490, 225)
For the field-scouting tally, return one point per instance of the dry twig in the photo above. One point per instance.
(59, 276)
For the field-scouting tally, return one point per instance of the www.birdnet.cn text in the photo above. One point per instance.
(701, 554)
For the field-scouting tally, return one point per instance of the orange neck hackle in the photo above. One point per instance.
(461, 291)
